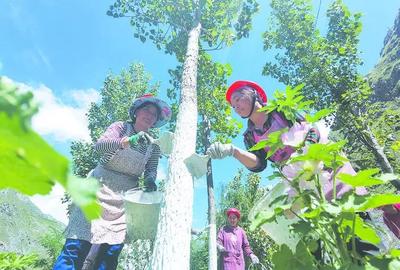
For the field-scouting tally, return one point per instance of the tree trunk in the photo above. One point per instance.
(380, 155)
(212, 236)
(172, 244)
(365, 134)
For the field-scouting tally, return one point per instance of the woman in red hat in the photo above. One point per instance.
(232, 243)
(126, 152)
(246, 98)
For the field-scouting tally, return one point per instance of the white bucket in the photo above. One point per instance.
(142, 210)
(278, 230)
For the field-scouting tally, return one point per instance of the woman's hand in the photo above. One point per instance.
(221, 249)
(254, 259)
(125, 142)
(218, 150)
(136, 138)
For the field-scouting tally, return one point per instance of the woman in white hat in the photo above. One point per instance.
(126, 153)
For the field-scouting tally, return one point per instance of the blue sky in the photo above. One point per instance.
(62, 50)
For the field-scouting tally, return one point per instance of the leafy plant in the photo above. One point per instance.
(28, 164)
(13, 261)
(326, 224)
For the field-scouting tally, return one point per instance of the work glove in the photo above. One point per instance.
(140, 137)
(254, 259)
(221, 249)
(218, 150)
(149, 186)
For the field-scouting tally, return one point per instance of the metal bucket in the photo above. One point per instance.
(142, 210)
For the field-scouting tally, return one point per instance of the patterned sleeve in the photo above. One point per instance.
(110, 141)
(261, 154)
(150, 172)
(246, 245)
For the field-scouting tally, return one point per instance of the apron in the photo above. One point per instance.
(116, 177)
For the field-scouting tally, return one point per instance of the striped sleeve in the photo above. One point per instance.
(150, 172)
(110, 141)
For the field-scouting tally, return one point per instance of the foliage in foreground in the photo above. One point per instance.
(24, 163)
(330, 227)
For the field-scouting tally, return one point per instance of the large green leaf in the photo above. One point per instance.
(362, 230)
(375, 201)
(83, 193)
(318, 115)
(27, 163)
(329, 154)
(363, 178)
(284, 259)
(273, 142)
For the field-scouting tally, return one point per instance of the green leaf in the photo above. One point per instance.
(362, 230)
(329, 154)
(374, 201)
(313, 213)
(83, 192)
(318, 115)
(261, 218)
(284, 259)
(27, 163)
(395, 252)
(362, 178)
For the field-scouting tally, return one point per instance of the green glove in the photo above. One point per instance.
(140, 137)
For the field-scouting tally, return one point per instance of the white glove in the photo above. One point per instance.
(218, 150)
(221, 248)
(254, 259)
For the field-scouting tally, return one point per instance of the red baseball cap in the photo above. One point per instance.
(240, 84)
(233, 211)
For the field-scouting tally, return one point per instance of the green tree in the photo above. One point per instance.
(242, 193)
(178, 27)
(199, 255)
(327, 65)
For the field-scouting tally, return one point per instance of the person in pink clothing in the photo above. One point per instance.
(391, 217)
(246, 98)
(232, 243)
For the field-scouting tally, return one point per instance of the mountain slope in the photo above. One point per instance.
(385, 77)
(23, 227)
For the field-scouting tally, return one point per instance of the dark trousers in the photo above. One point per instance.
(75, 251)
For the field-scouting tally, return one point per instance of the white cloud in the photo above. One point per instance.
(85, 97)
(1, 65)
(62, 121)
(51, 204)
